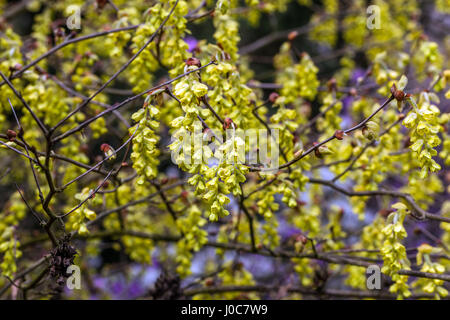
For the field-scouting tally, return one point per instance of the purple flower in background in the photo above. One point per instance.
(347, 101)
(286, 230)
(136, 289)
(357, 73)
(118, 288)
(192, 43)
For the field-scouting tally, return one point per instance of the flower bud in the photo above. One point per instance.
(331, 84)
(108, 151)
(339, 134)
(292, 35)
(273, 97)
(228, 123)
(193, 62)
(399, 95)
(11, 134)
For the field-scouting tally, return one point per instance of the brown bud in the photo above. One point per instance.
(184, 194)
(164, 180)
(193, 62)
(105, 184)
(227, 123)
(301, 238)
(124, 164)
(105, 147)
(331, 84)
(316, 151)
(273, 97)
(399, 95)
(292, 35)
(209, 282)
(385, 212)
(401, 116)
(353, 92)
(339, 134)
(11, 134)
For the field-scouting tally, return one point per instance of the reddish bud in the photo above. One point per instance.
(331, 84)
(124, 164)
(193, 62)
(399, 95)
(353, 92)
(273, 97)
(316, 151)
(339, 134)
(11, 134)
(292, 35)
(301, 238)
(209, 282)
(228, 123)
(105, 147)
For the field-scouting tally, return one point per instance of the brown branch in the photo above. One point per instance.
(419, 214)
(302, 290)
(318, 145)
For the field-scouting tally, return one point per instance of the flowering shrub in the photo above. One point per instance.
(141, 138)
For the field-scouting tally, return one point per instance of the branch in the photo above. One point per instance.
(422, 214)
(318, 145)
